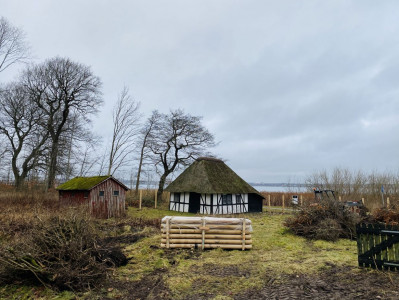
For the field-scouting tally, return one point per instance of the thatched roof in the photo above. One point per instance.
(210, 176)
(85, 183)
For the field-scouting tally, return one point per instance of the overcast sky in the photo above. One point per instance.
(287, 87)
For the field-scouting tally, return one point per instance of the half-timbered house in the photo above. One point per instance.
(104, 195)
(209, 186)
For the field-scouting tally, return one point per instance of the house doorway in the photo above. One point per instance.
(194, 205)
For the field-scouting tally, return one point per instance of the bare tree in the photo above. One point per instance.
(87, 160)
(102, 162)
(13, 47)
(76, 144)
(21, 123)
(4, 156)
(354, 185)
(61, 88)
(126, 118)
(176, 140)
(144, 151)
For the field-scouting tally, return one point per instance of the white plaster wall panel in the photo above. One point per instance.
(208, 199)
(187, 198)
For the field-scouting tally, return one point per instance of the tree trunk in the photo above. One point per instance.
(138, 177)
(19, 182)
(68, 167)
(140, 166)
(53, 165)
(161, 185)
(111, 155)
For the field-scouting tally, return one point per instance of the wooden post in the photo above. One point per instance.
(167, 232)
(283, 203)
(243, 234)
(156, 196)
(203, 233)
(388, 203)
(301, 200)
(339, 198)
(268, 203)
(382, 197)
(140, 198)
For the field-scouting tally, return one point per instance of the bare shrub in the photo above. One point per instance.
(63, 252)
(328, 220)
(355, 185)
(387, 216)
(328, 230)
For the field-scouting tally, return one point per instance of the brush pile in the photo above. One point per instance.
(328, 220)
(61, 252)
(386, 215)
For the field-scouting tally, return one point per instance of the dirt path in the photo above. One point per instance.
(334, 283)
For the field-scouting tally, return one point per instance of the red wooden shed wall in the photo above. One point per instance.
(72, 198)
(106, 206)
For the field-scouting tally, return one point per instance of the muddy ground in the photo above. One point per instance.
(333, 283)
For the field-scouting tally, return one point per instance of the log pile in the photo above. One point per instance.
(206, 233)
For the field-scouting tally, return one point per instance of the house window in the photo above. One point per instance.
(238, 199)
(86, 194)
(176, 197)
(116, 193)
(226, 199)
(101, 194)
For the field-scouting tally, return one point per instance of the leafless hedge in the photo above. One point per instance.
(354, 185)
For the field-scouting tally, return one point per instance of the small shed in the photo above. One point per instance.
(209, 186)
(104, 195)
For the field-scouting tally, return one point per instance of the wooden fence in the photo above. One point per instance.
(378, 246)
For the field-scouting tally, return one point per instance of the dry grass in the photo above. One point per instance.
(19, 210)
(153, 272)
(219, 272)
(276, 198)
(148, 198)
(371, 202)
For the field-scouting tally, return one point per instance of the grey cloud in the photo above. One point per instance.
(288, 87)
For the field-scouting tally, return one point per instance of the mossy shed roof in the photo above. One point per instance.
(210, 176)
(85, 183)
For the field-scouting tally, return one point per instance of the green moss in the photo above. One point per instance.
(29, 292)
(82, 183)
(208, 176)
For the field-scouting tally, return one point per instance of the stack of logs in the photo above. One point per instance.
(206, 233)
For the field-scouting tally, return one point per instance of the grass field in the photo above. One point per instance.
(280, 266)
(219, 272)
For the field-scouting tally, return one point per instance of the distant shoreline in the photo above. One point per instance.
(282, 184)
